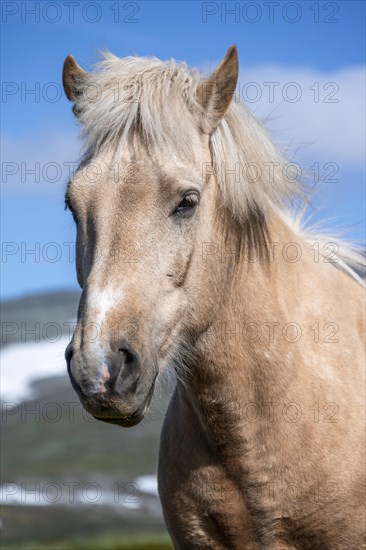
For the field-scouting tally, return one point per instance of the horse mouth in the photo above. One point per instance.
(135, 417)
(125, 422)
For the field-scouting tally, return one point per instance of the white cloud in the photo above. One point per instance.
(328, 118)
(38, 163)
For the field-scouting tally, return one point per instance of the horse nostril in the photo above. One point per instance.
(68, 356)
(69, 353)
(129, 357)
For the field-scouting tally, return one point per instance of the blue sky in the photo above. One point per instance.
(319, 46)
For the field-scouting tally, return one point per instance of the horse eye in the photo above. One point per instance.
(187, 206)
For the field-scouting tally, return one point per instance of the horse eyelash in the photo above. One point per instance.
(68, 205)
(70, 208)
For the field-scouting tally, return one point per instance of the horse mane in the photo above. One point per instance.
(156, 102)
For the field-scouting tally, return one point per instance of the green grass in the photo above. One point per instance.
(36, 450)
(75, 445)
(155, 542)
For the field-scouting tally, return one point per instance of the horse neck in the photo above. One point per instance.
(235, 352)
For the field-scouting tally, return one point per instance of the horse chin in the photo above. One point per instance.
(127, 421)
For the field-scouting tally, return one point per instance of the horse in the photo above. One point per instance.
(191, 260)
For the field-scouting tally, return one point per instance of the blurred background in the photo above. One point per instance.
(66, 480)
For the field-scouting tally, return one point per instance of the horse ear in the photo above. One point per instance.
(71, 73)
(215, 93)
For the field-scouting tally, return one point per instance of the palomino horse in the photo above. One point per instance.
(187, 261)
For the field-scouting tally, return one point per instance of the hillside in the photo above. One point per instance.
(69, 481)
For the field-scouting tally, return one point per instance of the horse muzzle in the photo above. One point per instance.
(111, 384)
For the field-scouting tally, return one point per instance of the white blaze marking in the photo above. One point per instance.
(103, 377)
(104, 300)
(101, 302)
